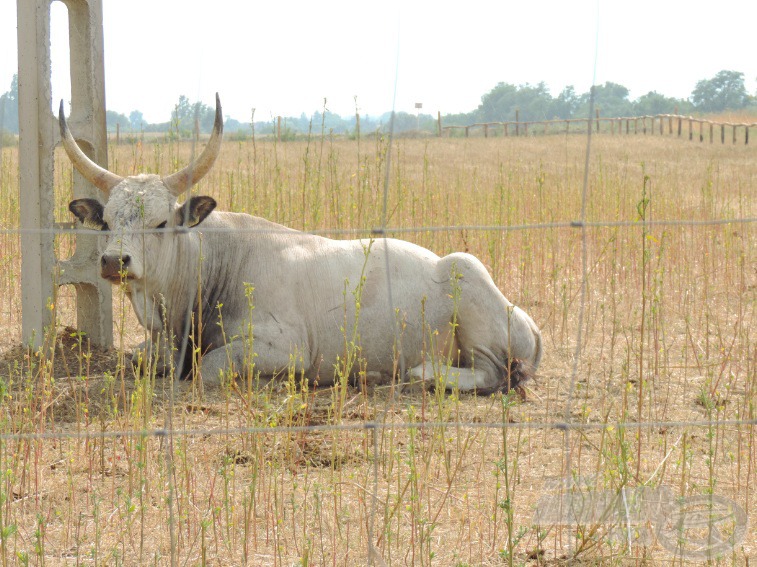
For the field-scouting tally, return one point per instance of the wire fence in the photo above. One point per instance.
(565, 422)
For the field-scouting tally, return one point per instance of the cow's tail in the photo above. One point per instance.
(518, 371)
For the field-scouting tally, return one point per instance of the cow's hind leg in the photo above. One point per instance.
(498, 343)
(485, 375)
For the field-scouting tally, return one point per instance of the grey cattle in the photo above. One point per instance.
(296, 299)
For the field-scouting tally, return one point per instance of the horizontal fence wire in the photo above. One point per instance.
(393, 230)
(369, 426)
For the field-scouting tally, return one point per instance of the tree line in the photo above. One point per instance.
(725, 91)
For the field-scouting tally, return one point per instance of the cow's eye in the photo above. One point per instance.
(161, 225)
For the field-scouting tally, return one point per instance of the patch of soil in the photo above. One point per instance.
(66, 379)
(71, 355)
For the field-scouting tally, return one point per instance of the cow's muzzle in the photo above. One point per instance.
(115, 268)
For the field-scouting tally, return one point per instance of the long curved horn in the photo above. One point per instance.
(101, 178)
(179, 182)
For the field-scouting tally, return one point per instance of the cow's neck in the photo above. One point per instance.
(168, 292)
(147, 307)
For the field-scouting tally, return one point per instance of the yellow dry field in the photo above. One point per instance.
(639, 451)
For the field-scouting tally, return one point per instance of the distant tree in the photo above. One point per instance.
(499, 104)
(611, 99)
(725, 90)
(301, 124)
(459, 119)
(9, 108)
(403, 122)
(182, 110)
(158, 127)
(566, 104)
(329, 121)
(535, 102)
(656, 103)
(112, 118)
(305, 124)
(232, 125)
(136, 119)
(181, 117)
(427, 122)
(184, 114)
(205, 115)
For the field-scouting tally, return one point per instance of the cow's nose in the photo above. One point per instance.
(111, 266)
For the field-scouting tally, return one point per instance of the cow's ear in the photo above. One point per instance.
(194, 211)
(89, 212)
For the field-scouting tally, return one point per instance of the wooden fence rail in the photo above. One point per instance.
(647, 125)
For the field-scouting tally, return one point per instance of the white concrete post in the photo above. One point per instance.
(38, 136)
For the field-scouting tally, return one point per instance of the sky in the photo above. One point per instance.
(284, 57)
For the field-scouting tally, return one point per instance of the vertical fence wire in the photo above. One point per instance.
(373, 555)
(581, 225)
(179, 369)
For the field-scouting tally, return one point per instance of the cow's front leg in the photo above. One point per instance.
(260, 357)
(158, 356)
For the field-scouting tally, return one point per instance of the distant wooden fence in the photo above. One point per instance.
(673, 123)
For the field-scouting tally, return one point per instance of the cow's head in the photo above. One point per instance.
(140, 210)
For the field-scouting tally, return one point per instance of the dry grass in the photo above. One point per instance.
(668, 336)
